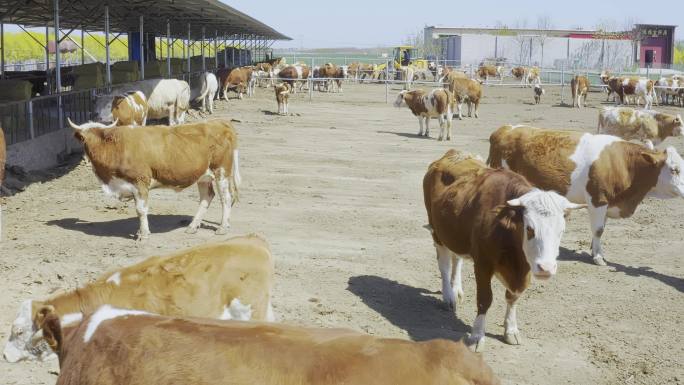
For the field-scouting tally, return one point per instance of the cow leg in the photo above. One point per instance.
(460, 109)
(206, 192)
(141, 208)
(449, 123)
(483, 278)
(511, 333)
(225, 92)
(223, 187)
(420, 122)
(442, 127)
(172, 115)
(427, 126)
(457, 277)
(445, 260)
(597, 216)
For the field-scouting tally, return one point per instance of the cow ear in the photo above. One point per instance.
(509, 216)
(653, 158)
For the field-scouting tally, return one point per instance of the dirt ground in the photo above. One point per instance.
(336, 188)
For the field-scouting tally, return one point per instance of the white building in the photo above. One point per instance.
(548, 48)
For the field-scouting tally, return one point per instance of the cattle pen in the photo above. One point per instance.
(34, 124)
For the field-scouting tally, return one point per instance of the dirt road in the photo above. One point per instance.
(336, 189)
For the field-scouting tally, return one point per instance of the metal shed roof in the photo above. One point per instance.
(213, 15)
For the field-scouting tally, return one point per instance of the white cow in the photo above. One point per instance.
(206, 92)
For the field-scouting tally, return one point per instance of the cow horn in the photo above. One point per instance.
(113, 124)
(73, 125)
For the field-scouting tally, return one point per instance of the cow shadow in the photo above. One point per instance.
(122, 228)
(584, 257)
(412, 309)
(405, 134)
(17, 179)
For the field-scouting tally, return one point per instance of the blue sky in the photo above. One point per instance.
(370, 23)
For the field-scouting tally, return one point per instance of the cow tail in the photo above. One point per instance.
(235, 178)
(494, 159)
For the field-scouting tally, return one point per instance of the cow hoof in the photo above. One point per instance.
(459, 295)
(141, 237)
(440, 138)
(222, 231)
(476, 343)
(191, 230)
(448, 138)
(512, 338)
(600, 261)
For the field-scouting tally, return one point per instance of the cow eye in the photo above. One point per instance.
(530, 232)
(675, 170)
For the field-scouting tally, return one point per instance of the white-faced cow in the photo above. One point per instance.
(228, 280)
(424, 106)
(496, 218)
(294, 74)
(608, 174)
(119, 346)
(648, 126)
(131, 161)
(282, 93)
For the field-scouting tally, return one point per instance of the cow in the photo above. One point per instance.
(520, 74)
(3, 158)
(120, 346)
(130, 109)
(236, 79)
(294, 74)
(668, 87)
(436, 104)
(608, 174)
(579, 86)
(465, 90)
(328, 72)
(487, 71)
(166, 98)
(207, 92)
(282, 93)
(538, 92)
(232, 279)
(637, 88)
(265, 71)
(648, 126)
(605, 79)
(406, 74)
(129, 162)
(533, 76)
(496, 218)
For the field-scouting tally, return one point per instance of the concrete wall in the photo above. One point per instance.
(42, 152)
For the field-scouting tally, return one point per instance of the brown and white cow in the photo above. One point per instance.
(608, 174)
(489, 71)
(579, 86)
(532, 76)
(648, 126)
(520, 74)
(496, 218)
(424, 106)
(3, 158)
(294, 74)
(236, 79)
(130, 109)
(131, 161)
(605, 79)
(282, 93)
(638, 88)
(228, 280)
(668, 87)
(119, 346)
(334, 75)
(465, 90)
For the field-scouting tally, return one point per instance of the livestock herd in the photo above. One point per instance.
(205, 315)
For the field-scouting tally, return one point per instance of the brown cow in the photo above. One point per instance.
(129, 161)
(608, 174)
(465, 90)
(497, 219)
(579, 85)
(294, 74)
(649, 126)
(605, 79)
(130, 109)
(487, 71)
(282, 93)
(228, 280)
(118, 346)
(236, 79)
(519, 73)
(436, 104)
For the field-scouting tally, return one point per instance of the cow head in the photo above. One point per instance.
(400, 99)
(541, 217)
(678, 124)
(670, 179)
(24, 343)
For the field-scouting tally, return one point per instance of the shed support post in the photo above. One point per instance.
(225, 52)
(189, 55)
(107, 58)
(216, 54)
(168, 48)
(142, 49)
(2, 49)
(204, 61)
(82, 44)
